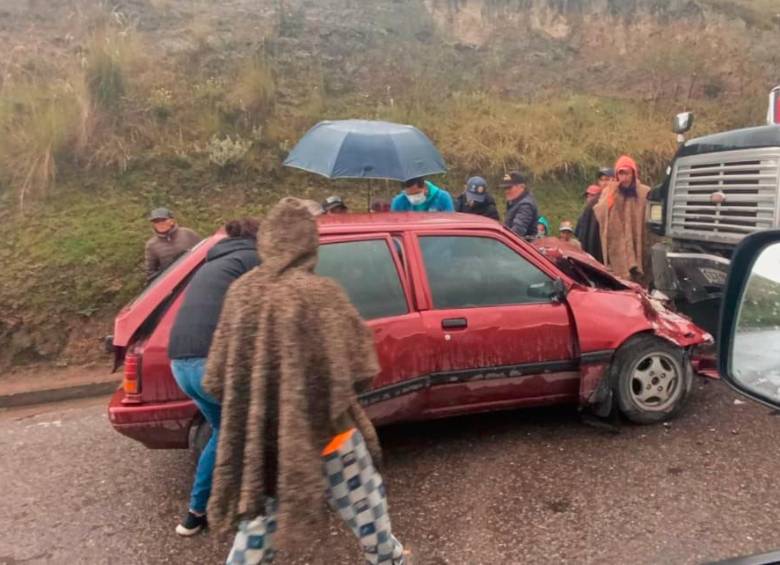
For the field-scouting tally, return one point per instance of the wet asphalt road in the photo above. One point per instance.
(521, 487)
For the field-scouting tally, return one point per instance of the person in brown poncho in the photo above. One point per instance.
(620, 212)
(287, 356)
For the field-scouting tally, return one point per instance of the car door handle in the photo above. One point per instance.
(455, 324)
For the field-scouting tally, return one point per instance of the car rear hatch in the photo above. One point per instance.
(133, 316)
(137, 321)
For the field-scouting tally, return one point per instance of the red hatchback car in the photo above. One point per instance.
(467, 318)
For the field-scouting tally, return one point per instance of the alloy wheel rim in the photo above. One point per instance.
(655, 382)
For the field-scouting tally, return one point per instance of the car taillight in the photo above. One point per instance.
(131, 382)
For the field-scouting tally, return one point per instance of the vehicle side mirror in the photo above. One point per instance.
(553, 290)
(750, 319)
(682, 123)
(559, 290)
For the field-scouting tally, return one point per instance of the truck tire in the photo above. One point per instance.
(652, 379)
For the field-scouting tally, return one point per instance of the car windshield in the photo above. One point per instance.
(156, 280)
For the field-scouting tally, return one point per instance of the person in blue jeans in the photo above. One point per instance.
(189, 345)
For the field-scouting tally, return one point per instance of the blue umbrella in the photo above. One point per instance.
(365, 149)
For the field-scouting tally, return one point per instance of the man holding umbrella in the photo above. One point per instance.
(368, 149)
(419, 195)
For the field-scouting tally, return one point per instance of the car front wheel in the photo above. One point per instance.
(652, 379)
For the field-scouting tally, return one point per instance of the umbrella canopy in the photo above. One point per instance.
(365, 149)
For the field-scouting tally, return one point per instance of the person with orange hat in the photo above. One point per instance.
(620, 212)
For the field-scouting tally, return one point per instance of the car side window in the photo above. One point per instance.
(465, 272)
(367, 272)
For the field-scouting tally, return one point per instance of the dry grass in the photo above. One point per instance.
(40, 125)
(253, 91)
(561, 138)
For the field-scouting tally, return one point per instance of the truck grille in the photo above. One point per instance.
(748, 181)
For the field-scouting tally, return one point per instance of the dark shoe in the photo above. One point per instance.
(192, 524)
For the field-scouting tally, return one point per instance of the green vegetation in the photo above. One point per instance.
(189, 105)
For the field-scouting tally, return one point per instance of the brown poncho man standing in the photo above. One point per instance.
(286, 357)
(620, 212)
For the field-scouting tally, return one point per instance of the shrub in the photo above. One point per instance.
(253, 91)
(161, 103)
(227, 152)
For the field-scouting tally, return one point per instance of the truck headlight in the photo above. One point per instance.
(655, 213)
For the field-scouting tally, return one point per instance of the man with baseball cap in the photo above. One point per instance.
(592, 193)
(566, 234)
(167, 244)
(334, 205)
(604, 177)
(522, 212)
(476, 199)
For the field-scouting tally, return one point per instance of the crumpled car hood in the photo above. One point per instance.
(665, 323)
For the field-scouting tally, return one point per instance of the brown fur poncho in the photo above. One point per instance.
(286, 357)
(622, 224)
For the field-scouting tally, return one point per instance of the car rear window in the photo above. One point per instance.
(465, 272)
(367, 272)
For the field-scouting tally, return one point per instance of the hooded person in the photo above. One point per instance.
(287, 357)
(620, 212)
(542, 227)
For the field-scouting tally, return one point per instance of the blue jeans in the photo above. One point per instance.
(189, 376)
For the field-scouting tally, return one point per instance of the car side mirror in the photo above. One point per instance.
(559, 290)
(749, 357)
(682, 122)
(553, 290)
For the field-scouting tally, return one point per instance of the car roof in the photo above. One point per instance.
(400, 221)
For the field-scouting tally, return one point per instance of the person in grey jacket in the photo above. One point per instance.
(168, 243)
(522, 213)
(190, 340)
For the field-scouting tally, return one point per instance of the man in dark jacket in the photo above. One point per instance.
(587, 230)
(522, 212)
(190, 340)
(168, 243)
(476, 199)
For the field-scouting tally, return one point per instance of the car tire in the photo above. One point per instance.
(652, 379)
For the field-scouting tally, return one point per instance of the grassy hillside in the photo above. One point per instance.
(109, 110)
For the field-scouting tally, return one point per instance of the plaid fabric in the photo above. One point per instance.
(253, 543)
(354, 490)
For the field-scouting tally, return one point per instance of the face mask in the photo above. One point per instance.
(416, 199)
